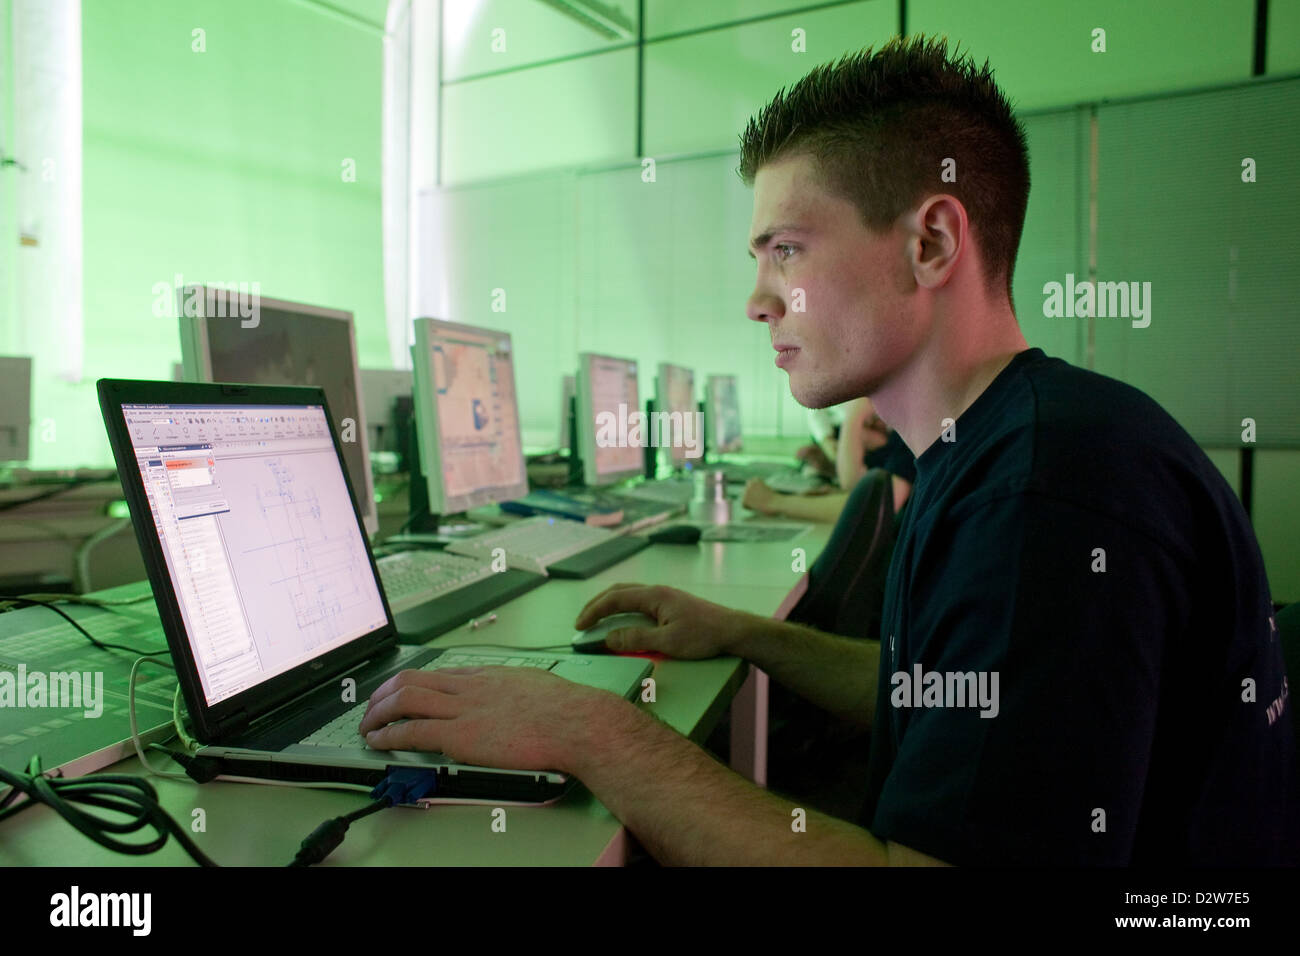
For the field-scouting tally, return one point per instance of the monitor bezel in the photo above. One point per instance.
(429, 429)
(586, 422)
(215, 721)
(196, 357)
(676, 455)
(711, 410)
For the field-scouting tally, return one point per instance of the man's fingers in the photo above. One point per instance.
(408, 702)
(441, 680)
(428, 735)
(447, 683)
(620, 597)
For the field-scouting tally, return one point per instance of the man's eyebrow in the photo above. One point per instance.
(759, 242)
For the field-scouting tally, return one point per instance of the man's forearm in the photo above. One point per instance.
(838, 674)
(688, 809)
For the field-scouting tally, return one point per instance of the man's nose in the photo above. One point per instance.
(763, 306)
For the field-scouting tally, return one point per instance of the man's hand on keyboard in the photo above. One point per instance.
(689, 628)
(516, 718)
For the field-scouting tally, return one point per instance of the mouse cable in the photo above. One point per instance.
(92, 601)
(102, 645)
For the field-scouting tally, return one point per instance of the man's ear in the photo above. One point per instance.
(939, 234)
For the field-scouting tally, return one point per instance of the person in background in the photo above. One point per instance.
(864, 442)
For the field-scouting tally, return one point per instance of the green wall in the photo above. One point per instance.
(227, 165)
(545, 199)
(224, 165)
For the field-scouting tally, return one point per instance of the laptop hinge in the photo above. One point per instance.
(232, 724)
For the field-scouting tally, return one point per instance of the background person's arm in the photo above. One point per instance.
(824, 508)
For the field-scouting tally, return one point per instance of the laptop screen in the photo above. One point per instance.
(265, 552)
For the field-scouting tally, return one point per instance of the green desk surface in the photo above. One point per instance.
(263, 825)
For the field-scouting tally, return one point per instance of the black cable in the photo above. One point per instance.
(121, 793)
(323, 840)
(58, 490)
(411, 519)
(136, 798)
(102, 645)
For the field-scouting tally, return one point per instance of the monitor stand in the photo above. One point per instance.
(423, 527)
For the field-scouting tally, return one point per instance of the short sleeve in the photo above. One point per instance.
(1064, 614)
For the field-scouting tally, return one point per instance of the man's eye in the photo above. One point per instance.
(783, 251)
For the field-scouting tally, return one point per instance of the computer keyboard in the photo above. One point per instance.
(415, 577)
(342, 730)
(736, 473)
(794, 482)
(534, 544)
(638, 513)
(744, 531)
(671, 491)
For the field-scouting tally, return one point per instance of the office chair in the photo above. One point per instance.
(808, 749)
(846, 584)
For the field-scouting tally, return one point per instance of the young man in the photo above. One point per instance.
(1069, 555)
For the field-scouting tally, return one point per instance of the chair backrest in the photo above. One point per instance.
(846, 584)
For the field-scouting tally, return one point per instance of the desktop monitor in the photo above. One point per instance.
(381, 390)
(568, 390)
(607, 385)
(675, 393)
(467, 416)
(282, 343)
(722, 411)
(15, 407)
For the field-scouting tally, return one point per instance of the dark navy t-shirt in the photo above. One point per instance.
(1076, 551)
(894, 456)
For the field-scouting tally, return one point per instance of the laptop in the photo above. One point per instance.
(268, 593)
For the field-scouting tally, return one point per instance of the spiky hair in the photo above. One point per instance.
(879, 128)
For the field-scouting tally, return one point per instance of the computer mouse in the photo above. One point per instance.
(677, 534)
(592, 640)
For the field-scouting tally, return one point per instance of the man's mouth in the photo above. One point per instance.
(785, 354)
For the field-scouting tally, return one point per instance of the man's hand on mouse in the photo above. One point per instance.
(516, 718)
(689, 628)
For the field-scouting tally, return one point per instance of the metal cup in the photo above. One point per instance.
(710, 503)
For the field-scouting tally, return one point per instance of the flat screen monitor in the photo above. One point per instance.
(467, 416)
(228, 337)
(15, 408)
(722, 407)
(675, 396)
(607, 399)
(381, 388)
(568, 390)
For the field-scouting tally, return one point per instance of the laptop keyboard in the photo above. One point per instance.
(416, 577)
(342, 730)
